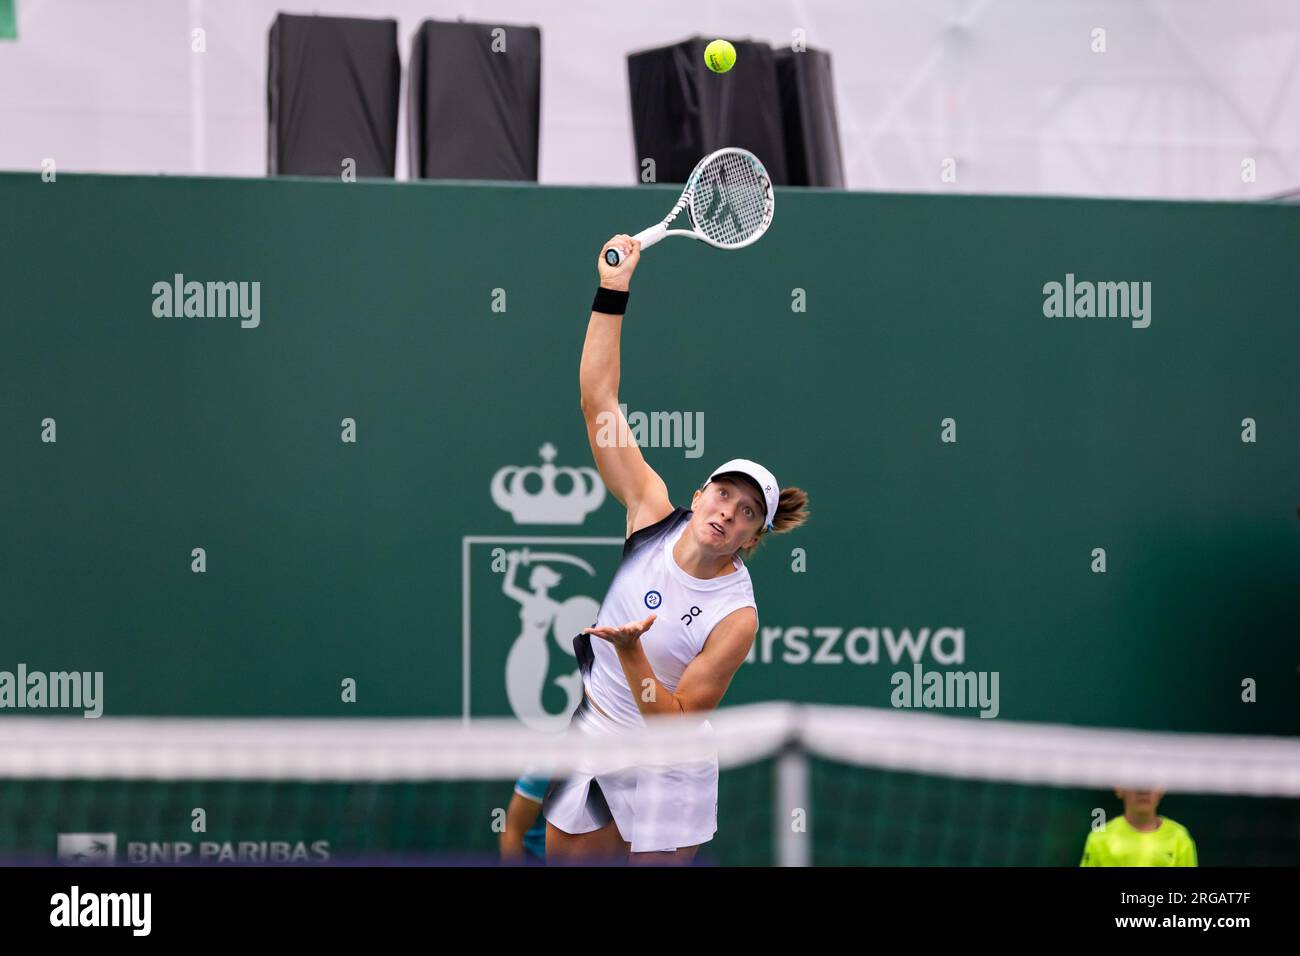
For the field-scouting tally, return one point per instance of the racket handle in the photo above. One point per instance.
(647, 238)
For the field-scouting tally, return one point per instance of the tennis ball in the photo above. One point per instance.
(720, 56)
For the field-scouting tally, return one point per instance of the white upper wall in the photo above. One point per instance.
(1010, 89)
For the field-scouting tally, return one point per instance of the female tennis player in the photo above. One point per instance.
(674, 627)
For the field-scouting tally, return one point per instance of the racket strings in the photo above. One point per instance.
(731, 200)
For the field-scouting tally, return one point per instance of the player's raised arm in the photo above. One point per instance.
(618, 459)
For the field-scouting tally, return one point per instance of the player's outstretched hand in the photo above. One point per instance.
(624, 636)
(618, 277)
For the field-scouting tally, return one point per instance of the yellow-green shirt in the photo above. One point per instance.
(1118, 844)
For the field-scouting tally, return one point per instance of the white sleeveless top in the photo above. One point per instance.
(649, 580)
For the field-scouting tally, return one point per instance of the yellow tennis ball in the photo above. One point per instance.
(720, 56)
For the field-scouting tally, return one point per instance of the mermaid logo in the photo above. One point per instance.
(541, 615)
(551, 584)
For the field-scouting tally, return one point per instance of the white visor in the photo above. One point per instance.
(762, 477)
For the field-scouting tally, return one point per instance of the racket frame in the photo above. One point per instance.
(659, 231)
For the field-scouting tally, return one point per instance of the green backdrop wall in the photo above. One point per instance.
(373, 560)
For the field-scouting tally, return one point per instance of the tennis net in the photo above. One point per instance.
(799, 785)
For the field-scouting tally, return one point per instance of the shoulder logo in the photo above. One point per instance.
(653, 599)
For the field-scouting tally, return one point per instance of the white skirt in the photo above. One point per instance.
(659, 807)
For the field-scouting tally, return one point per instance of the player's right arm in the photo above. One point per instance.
(618, 459)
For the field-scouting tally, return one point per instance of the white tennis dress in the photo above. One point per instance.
(659, 807)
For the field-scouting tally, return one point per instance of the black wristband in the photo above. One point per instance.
(609, 301)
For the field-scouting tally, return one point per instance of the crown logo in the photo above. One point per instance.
(547, 506)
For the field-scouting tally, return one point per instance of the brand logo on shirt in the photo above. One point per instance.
(693, 613)
(653, 599)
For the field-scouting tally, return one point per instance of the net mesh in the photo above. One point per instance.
(731, 198)
(798, 785)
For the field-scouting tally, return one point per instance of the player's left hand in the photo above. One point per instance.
(625, 636)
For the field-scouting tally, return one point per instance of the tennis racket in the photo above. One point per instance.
(728, 203)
